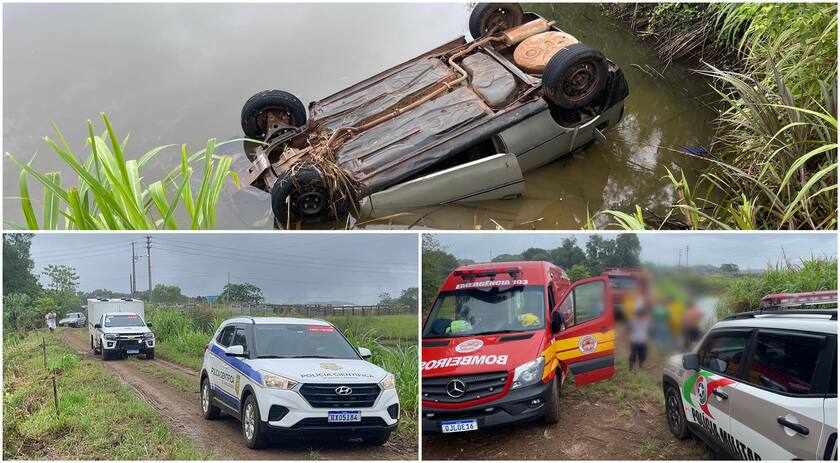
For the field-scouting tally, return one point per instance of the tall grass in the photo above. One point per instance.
(745, 293)
(110, 192)
(774, 157)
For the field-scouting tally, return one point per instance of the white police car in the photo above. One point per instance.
(297, 377)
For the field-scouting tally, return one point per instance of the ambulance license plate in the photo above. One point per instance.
(132, 351)
(344, 416)
(458, 426)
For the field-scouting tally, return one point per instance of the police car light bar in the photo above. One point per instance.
(800, 299)
(475, 273)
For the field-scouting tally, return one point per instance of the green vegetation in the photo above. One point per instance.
(773, 164)
(110, 193)
(181, 336)
(745, 293)
(116, 424)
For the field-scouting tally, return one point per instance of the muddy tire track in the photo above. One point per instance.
(222, 437)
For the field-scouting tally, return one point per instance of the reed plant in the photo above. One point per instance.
(111, 192)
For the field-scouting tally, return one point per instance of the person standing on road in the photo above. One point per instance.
(50, 317)
(639, 328)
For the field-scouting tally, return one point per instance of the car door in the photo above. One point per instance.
(778, 408)
(237, 365)
(220, 373)
(586, 344)
(706, 393)
(494, 177)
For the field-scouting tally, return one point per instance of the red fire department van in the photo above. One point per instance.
(501, 339)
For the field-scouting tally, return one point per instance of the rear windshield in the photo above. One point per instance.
(116, 321)
(301, 341)
(477, 311)
(622, 282)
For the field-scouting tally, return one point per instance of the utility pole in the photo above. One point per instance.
(686, 255)
(149, 262)
(133, 271)
(679, 259)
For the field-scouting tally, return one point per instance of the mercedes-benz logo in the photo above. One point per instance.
(343, 390)
(455, 388)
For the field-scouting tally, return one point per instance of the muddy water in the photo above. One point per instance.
(178, 73)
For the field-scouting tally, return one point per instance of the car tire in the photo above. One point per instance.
(284, 103)
(575, 76)
(501, 15)
(208, 410)
(552, 405)
(304, 186)
(379, 438)
(252, 427)
(105, 355)
(675, 414)
(150, 354)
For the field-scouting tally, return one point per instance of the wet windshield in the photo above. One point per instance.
(472, 312)
(302, 341)
(119, 321)
(622, 282)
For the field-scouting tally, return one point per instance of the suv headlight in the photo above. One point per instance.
(278, 382)
(149, 335)
(111, 336)
(389, 382)
(528, 373)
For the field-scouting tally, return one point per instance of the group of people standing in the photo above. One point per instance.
(665, 320)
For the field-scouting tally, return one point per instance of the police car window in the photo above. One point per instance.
(785, 363)
(476, 311)
(225, 337)
(115, 321)
(301, 341)
(723, 353)
(239, 338)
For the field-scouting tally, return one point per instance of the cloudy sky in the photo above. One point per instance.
(292, 268)
(748, 250)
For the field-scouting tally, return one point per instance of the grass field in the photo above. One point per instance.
(117, 424)
(181, 336)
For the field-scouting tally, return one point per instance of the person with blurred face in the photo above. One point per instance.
(639, 327)
(692, 317)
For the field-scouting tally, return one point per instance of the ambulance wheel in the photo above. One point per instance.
(150, 354)
(494, 16)
(283, 106)
(208, 410)
(379, 438)
(574, 76)
(552, 405)
(308, 196)
(252, 427)
(675, 413)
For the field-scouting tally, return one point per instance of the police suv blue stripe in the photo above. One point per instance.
(236, 363)
(227, 396)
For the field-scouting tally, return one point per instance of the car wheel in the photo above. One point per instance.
(105, 354)
(552, 405)
(252, 424)
(208, 410)
(309, 197)
(271, 106)
(575, 76)
(380, 438)
(150, 354)
(675, 414)
(496, 17)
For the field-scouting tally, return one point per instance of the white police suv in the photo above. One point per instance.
(297, 377)
(760, 386)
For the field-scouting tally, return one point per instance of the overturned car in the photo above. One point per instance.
(460, 123)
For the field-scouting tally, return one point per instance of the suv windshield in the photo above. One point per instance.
(301, 341)
(117, 321)
(471, 312)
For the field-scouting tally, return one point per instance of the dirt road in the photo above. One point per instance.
(619, 419)
(179, 407)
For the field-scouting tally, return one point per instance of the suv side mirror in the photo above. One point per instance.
(97, 326)
(691, 361)
(235, 351)
(557, 324)
(148, 325)
(365, 353)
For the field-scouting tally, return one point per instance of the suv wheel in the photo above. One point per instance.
(379, 438)
(210, 411)
(252, 424)
(675, 414)
(552, 405)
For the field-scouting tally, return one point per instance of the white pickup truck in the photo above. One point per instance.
(117, 328)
